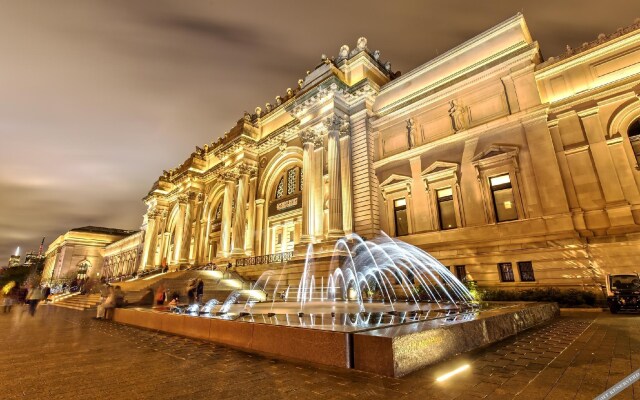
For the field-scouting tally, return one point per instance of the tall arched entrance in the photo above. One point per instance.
(284, 209)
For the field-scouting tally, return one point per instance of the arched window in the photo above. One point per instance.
(634, 138)
(83, 268)
(290, 183)
(280, 188)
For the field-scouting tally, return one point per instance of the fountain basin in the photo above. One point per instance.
(383, 344)
(398, 350)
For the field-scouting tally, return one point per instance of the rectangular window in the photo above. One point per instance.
(526, 271)
(461, 272)
(279, 238)
(506, 272)
(400, 215)
(503, 201)
(446, 210)
(291, 236)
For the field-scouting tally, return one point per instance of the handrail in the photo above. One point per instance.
(276, 258)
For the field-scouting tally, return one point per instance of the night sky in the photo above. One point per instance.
(98, 97)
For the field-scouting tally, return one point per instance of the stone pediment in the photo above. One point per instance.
(395, 179)
(440, 166)
(495, 151)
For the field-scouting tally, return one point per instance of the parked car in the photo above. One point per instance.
(623, 292)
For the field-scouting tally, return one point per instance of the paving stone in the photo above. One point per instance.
(63, 354)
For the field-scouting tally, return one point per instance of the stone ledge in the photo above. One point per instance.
(310, 345)
(399, 350)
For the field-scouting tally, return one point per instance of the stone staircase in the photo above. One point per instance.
(76, 301)
(217, 285)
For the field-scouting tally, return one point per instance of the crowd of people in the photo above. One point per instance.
(31, 295)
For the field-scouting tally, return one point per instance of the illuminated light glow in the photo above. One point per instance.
(305, 119)
(452, 373)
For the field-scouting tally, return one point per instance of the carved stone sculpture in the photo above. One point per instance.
(344, 52)
(362, 43)
(376, 55)
(458, 115)
(411, 133)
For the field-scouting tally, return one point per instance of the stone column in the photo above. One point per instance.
(251, 211)
(197, 230)
(160, 229)
(259, 234)
(241, 209)
(336, 229)
(225, 231)
(318, 188)
(179, 230)
(346, 177)
(308, 173)
(188, 227)
(150, 235)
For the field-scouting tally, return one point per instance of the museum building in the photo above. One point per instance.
(511, 170)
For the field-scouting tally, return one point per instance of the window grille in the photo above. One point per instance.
(506, 272)
(291, 181)
(526, 271)
(280, 188)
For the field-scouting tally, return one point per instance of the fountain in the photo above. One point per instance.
(363, 276)
(382, 306)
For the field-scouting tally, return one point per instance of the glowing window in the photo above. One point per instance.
(446, 209)
(504, 203)
(400, 216)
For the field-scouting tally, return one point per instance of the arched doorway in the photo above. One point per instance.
(284, 210)
(83, 269)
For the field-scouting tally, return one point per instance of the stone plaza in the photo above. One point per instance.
(67, 355)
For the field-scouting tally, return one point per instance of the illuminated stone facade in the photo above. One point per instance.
(508, 169)
(79, 253)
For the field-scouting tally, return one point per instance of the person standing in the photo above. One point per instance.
(161, 295)
(200, 290)
(191, 290)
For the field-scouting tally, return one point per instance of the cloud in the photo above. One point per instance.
(98, 97)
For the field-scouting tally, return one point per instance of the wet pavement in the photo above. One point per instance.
(64, 354)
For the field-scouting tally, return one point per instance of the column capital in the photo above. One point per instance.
(345, 129)
(183, 198)
(308, 136)
(333, 123)
(228, 176)
(246, 169)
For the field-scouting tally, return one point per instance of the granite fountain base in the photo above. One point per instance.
(394, 348)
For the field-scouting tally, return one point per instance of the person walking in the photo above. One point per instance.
(46, 291)
(34, 295)
(200, 291)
